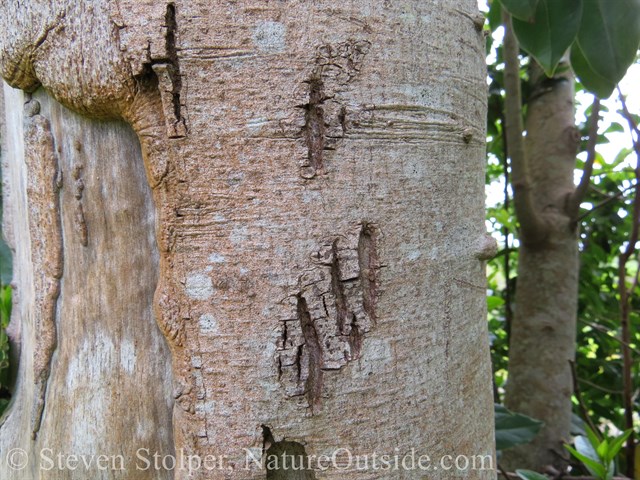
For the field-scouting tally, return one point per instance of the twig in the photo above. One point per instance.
(508, 308)
(573, 205)
(605, 202)
(578, 394)
(504, 473)
(604, 330)
(625, 295)
(599, 387)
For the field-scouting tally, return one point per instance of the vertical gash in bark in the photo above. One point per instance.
(170, 79)
(43, 185)
(314, 128)
(326, 119)
(335, 311)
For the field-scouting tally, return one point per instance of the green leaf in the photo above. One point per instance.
(495, 15)
(529, 475)
(522, 9)
(597, 84)
(587, 446)
(609, 36)
(5, 263)
(551, 32)
(603, 450)
(594, 466)
(577, 425)
(617, 444)
(513, 428)
(5, 306)
(594, 440)
(3, 405)
(614, 127)
(494, 302)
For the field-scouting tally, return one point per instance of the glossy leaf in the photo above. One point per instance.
(594, 466)
(5, 263)
(609, 37)
(494, 16)
(550, 33)
(593, 81)
(529, 475)
(513, 428)
(522, 9)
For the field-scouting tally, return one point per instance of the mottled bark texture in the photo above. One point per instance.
(316, 170)
(543, 330)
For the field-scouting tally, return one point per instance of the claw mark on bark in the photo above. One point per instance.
(45, 228)
(337, 288)
(313, 383)
(167, 70)
(369, 265)
(314, 128)
(325, 116)
(335, 309)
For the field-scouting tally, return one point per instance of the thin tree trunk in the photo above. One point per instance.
(316, 172)
(543, 331)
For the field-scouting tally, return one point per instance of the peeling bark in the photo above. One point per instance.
(45, 228)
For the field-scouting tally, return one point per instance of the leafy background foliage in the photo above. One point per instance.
(5, 315)
(546, 29)
(603, 36)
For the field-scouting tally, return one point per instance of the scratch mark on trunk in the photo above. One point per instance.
(167, 69)
(337, 288)
(314, 128)
(313, 384)
(172, 54)
(335, 309)
(369, 265)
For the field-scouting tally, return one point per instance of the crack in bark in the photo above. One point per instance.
(167, 71)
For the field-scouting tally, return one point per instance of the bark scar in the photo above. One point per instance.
(167, 70)
(79, 221)
(45, 228)
(326, 119)
(335, 309)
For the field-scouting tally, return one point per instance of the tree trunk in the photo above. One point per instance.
(543, 331)
(314, 173)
